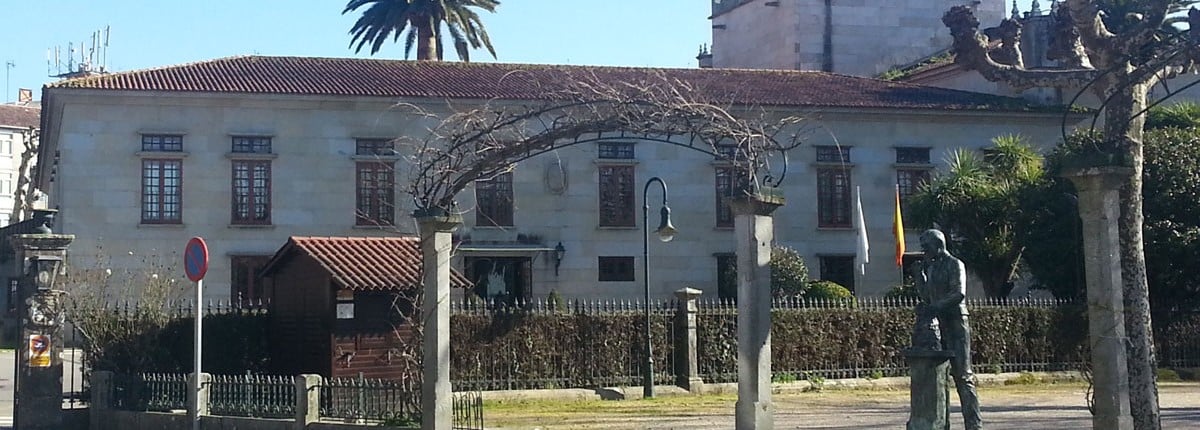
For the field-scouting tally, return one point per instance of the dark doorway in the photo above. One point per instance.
(500, 279)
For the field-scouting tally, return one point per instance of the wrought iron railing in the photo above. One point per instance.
(370, 399)
(262, 396)
(162, 392)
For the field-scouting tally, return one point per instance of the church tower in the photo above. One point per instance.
(854, 37)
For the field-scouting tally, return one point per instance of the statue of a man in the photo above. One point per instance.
(942, 286)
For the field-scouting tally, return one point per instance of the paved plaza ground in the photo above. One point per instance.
(1032, 407)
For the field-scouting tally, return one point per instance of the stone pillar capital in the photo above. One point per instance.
(688, 293)
(1098, 178)
(760, 202)
(439, 222)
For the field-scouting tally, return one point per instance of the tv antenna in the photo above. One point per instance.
(8, 66)
(92, 57)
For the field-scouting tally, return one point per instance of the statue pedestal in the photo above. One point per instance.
(930, 389)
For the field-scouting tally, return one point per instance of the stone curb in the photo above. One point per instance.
(635, 392)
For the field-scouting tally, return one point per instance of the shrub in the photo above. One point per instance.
(789, 274)
(827, 290)
(902, 291)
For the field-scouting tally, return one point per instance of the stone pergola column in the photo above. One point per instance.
(754, 229)
(38, 392)
(687, 364)
(436, 396)
(1099, 209)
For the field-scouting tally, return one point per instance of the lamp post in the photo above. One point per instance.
(666, 232)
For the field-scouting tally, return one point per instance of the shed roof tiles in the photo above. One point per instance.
(364, 263)
(456, 80)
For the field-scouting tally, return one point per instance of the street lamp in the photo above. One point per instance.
(665, 232)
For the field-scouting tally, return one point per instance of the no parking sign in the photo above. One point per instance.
(39, 350)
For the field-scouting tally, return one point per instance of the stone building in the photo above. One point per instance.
(248, 151)
(855, 37)
(17, 124)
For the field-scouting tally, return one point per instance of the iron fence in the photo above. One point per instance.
(593, 344)
(161, 392)
(468, 410)
(260, 396)
(370, 399)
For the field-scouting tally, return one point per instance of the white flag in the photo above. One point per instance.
(862, 254)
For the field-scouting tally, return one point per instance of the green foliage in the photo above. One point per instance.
(556, 302)
(789, 274)
(816, 383)
(382, 20)
(902, 291)
(827, 290)
(977, 203)
(1024, 378)
(1171, 190)
(1168, 375)
(783, 377)
(1183, 115)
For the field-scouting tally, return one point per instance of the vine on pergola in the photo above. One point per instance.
(484, 141)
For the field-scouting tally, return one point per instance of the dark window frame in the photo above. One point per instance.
(377, 147)
(162, 202)
(375, 193)
(728, 180)
(832, 154)
(251, 144)
(494, 201)
(615, 151)
(617, 195)
(616, 269)
(251, 201)
(245, 284)
(162, 142)
(833, 203)
(912, 155)
(843, 274)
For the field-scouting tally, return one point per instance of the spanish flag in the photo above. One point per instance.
(898, 230)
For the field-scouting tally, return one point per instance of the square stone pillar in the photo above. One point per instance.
(436, 396)
(929, 389)
(1099, 210)
(38, 392)
(687, 366)
(754, 230)
(308, 400)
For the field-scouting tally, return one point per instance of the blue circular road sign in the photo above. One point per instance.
(195, 259)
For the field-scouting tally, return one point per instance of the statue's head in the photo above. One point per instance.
(933, 242)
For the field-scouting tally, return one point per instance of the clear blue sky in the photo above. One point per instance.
(662, 33)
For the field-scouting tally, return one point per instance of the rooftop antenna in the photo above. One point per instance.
(93, 56)
(8, 66)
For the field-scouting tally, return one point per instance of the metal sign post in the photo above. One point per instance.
(195, 264)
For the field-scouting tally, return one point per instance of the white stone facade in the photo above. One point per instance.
(97, 186)
(868, 36)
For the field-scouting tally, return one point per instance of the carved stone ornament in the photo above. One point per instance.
(45, 309)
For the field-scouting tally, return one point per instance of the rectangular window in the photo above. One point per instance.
(14, 285)
(246, 287)
(251, 144)
(833, 154)
(376, 193)
(494, 201)
(383, 147)
(839, 269)
(833, 197)
(910, 178)
(727, 276)
(615, 269)
(912, 155)
(730, 181)
(908, 182)
(616, 150)
(616, 196)
(162, 191)
(162, 142)
(251, 192)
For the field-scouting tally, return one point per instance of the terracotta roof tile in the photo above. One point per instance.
(365, 263)
(394, 78)
(20, 116)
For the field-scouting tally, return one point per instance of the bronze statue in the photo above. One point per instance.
(941, 284)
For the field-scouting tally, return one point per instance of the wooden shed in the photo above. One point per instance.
(341, 306)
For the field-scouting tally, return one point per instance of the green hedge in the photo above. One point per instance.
(233, 344)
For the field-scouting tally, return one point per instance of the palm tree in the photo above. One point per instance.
(423, 19)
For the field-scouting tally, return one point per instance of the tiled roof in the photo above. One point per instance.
(19, 116)
(365, 263)
(454, 80)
